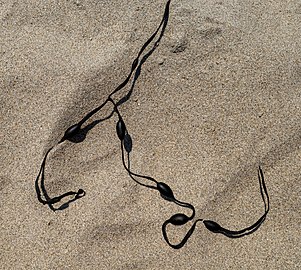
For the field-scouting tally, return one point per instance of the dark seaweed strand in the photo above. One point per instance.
(134, 65)
(42, 168)
(181, 219)
(124, 131)
(135, 174)
(216, 228)
(49, 201)
(184, 240)
(74, 129)
(165, 191)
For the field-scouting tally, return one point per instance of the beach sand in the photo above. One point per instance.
(219, 96)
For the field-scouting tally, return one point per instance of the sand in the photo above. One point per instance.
(218, 97)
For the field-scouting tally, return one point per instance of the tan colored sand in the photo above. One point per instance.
(219, 96)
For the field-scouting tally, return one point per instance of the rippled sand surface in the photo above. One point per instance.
(219, 96)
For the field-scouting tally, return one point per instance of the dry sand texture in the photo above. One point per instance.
(220, 94)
